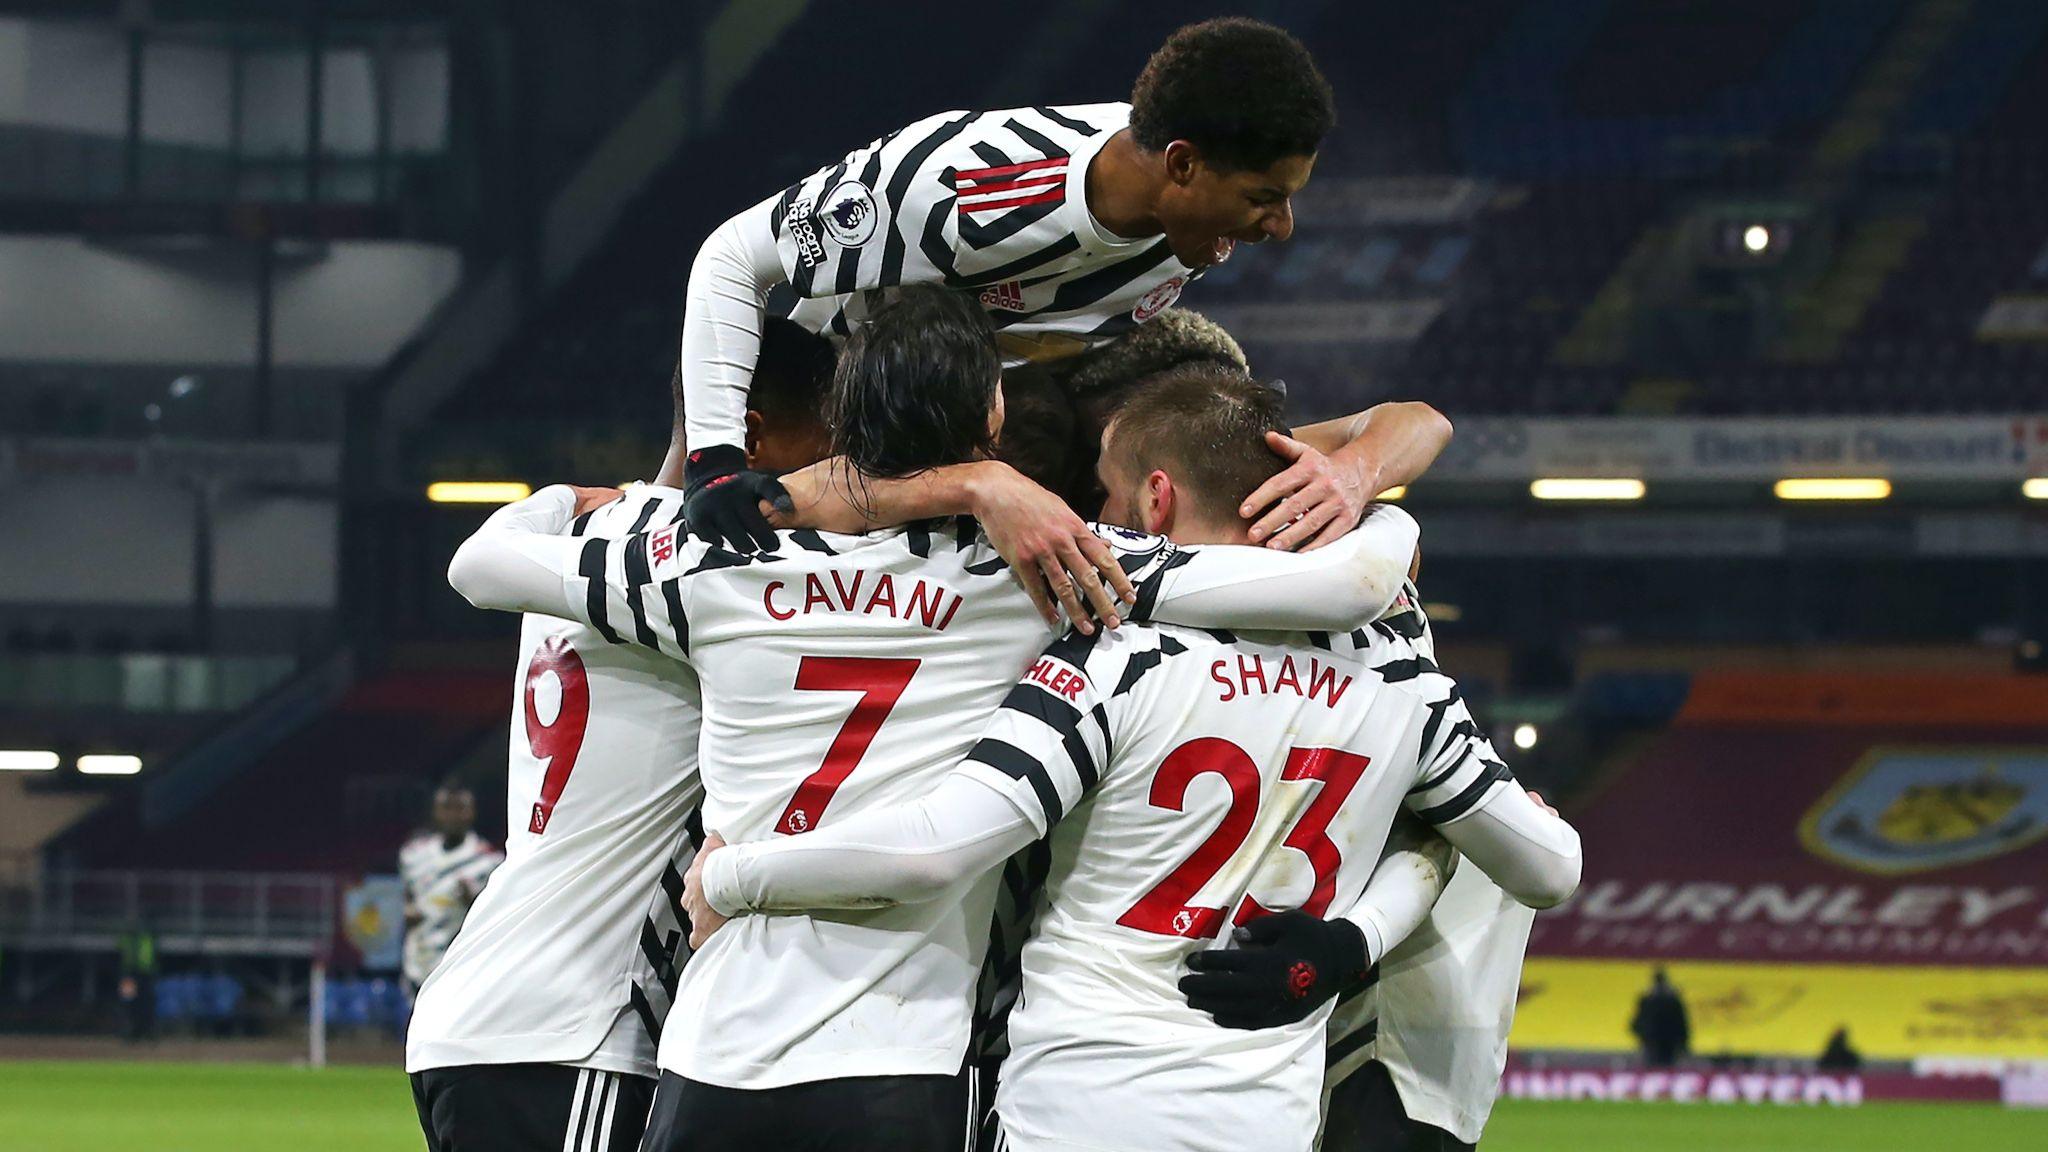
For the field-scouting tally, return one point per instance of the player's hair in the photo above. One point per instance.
(1205, 426)
(790, 376)
(1039, 437)
(1244, 92)
(793, 374)
(1099, 381)
(915, 385)
(1174, 337)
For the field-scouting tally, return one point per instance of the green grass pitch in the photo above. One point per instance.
(117, 1107)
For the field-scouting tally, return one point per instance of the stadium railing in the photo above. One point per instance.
(285, 914)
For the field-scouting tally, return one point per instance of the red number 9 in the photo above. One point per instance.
(556, 743)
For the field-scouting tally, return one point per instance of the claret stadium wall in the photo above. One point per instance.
(1805, 852)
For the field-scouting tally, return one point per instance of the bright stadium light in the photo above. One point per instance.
(109, 765)
(27, 761)
(477, 491)
(1394, 493)
(1525, 736)
(1756, 237)
(2036, 488)
(1833, 488)
(1568, 488)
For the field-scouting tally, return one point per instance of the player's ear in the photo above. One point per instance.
(755, 425)
(1158, 504)
(1182, 161)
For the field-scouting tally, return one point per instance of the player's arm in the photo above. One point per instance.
(1339, 588)
(724, 308)
(824, 235)
(1285, 966)
(1040, 754)
(1412, 872)
(1338, 468)
(1058, 559)
(1473, 801)
(883, 856)
(521, 560)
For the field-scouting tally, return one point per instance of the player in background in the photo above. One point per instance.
(843, 672)
(1070, 225)
(1215, 778)
(538, 1031)
(443, 872)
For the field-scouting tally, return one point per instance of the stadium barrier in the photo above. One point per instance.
(1525, 1080)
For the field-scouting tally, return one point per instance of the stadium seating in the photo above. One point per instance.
(340, 795)
(1595, 137)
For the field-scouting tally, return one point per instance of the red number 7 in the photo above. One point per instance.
(880, 684)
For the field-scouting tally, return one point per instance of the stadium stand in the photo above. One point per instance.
(1806, 743)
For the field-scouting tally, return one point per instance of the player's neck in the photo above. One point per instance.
(1193, 531)
(671, 473)
(451, 841)
(1122, 188)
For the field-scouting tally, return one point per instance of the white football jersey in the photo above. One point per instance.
(439, 884)
(1441, 1003)
(571, 955)
(1207, 777)
(1439, 1014)
(993, 203)
(840, 673)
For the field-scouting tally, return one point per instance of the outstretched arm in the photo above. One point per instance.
(871, 859)
(1339, 467)
(1523, 845)
(1060, 562)
(519, 559)
(1334, 589)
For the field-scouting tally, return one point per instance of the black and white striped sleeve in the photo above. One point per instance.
(1337, 588)
(861, 223)
(630, 589)
(1049, 744)
(634, 589)
(1458, 769)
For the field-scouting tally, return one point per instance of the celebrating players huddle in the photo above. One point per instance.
(953, 867)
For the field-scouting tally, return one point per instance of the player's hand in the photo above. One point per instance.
(1541, 802)
(1316, 500)
(1051, 550)
(591, 499)
(722, 500)
(1284, 967)
(703, 918)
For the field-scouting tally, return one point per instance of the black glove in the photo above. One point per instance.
(721, 499)
(1284, 967)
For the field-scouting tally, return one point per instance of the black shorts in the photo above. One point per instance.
(530, 1108)
(851, 1114)
(1366, 1115)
